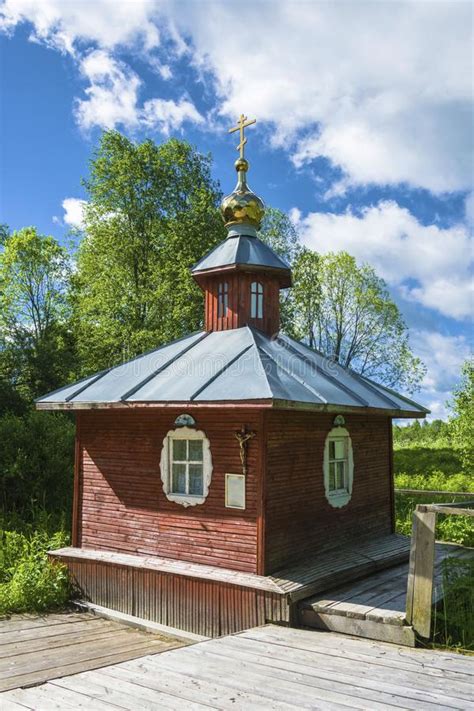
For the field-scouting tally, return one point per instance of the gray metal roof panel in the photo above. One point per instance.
(189, 373)
(325, 389)
(121, 379)
(65, 393)
(245, 379)
(241, 249)
(234, 365)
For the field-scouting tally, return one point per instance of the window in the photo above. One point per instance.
(256, 300)
(338, 467)
(186, 466)
(222, 299)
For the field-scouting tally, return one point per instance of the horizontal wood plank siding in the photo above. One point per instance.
(239, 302)
(123, 507)
(206, 607)
(299, 519)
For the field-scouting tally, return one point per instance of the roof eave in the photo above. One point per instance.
(284, 275)
(268, 403)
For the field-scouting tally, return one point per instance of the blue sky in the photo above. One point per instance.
(364, 132)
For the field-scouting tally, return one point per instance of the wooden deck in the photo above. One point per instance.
(340, 565)
(34, 649)
(270, 667)
(375, 606)
(217, 601)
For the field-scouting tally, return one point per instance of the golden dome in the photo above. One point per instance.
(242, 205)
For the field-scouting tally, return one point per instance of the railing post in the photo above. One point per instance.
(420, 571)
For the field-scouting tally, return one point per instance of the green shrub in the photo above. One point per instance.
(36, 462)
(416, 459)
(436, 481)
(456, 529)
(29, 581)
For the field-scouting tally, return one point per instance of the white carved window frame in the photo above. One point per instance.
(340, 497)
(165, 466)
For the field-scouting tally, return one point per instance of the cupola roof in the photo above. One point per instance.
(244, 251)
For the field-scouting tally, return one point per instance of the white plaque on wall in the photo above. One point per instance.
(235, 491)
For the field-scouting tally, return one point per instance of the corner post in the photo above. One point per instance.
(420, 571)
(76, 501)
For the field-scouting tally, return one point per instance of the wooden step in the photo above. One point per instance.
(385, 631)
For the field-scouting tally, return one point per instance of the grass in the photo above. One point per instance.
(29, 581)
(437, 468)
(453, 620)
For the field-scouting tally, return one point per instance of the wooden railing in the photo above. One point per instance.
(421, 567)
(435, 492)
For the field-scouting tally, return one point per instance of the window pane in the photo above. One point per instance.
(179, 450)
(195, 479)
(340, 449)
(340, 478)
(332, 476)
(260, 306)
(332, 449)
(178, 484)
(195, 450)
(253, 306)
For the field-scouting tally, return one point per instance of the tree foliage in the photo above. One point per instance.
(462, 422)
(345, 311)
(278, 231)
(36, 348)
(152, 213)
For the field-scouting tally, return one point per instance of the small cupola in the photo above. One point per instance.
(242, 277)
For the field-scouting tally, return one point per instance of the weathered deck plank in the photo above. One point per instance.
(378, 599)
(269, 667)
(68, 643)
(351, 561)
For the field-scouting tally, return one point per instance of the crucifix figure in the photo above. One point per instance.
(242, 123)
(243, 437)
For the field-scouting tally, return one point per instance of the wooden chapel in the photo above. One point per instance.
(216, 476)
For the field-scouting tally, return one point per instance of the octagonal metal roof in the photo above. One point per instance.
(239, 365)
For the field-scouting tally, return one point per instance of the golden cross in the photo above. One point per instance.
(242, 123)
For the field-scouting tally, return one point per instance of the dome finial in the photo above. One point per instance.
(242, 206)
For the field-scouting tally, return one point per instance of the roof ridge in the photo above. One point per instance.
(255, 332)
(292, 375)
(220, 372)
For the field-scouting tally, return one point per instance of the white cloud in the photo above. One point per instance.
(443, 356)
(167, 115)
(112, 99)
(74, 211)
(112, 94)
(65, 24)
(426, 263)
(383, 90)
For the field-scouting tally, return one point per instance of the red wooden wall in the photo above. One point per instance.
(238, 312)
(299, 520)
(122, 506)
